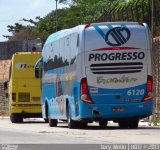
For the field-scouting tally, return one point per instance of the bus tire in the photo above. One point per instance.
(133, 124)
(103, 123)
(16, 118)
(82, 125)
(123, 124)
(46, 112)
(46, 120)
(52, 122)
(71, 123)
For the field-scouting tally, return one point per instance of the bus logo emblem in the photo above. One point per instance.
(117, 36)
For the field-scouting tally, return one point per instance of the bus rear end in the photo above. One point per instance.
(24, 88)
(117, 83)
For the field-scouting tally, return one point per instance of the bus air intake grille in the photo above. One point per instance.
(24, 97)
(116, 68)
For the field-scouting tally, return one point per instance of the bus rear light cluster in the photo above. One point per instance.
(86, 26)
(84, 91)
(141, 23)
(13, 97)
(149, 95)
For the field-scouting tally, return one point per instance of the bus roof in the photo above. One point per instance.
(65, 32)
(26, 53)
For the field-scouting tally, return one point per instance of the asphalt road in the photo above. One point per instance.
(37, 132)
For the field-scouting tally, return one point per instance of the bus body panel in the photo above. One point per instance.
(24, 88)
(115, 60)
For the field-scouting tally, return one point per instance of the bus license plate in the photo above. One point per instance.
(117, 109)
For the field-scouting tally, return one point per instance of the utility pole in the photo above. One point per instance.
(56, 16)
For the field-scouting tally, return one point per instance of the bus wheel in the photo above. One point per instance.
(103, 123)
(82, 125)
(52, 122)
(46, 120)
(16, 118)
(133, 124)
(123, 124)
(71, 123)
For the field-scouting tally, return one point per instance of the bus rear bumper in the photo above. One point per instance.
(28, 115)
(27, 111)
(97, 112)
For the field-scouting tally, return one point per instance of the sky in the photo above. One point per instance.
(12, 11)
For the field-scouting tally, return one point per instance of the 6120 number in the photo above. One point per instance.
(135, 92)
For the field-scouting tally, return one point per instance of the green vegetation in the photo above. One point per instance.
(155, 121)
(87, 11)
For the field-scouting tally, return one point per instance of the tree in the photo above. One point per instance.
(86, 11)
(16, 28)
(79, 12)
(21, 32)
(25, 34)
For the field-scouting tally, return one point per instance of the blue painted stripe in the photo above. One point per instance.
(109, 26)
(123, 26)
(100, 31)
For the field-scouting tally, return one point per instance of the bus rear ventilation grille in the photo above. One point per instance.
(24, 97)
(116, 68)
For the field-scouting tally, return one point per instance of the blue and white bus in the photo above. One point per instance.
(97, 72)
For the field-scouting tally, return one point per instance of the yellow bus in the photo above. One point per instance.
(24, 88)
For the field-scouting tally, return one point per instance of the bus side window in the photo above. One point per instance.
(38, 68)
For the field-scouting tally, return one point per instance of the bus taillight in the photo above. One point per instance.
(84, 91)
(13, 97)
(149, 95)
